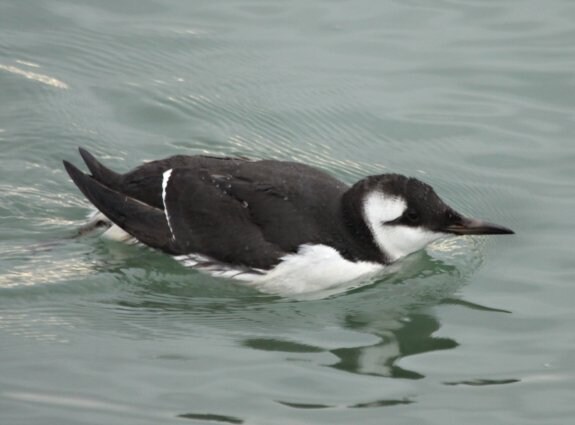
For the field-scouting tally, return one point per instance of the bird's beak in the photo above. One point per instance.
(472, 226)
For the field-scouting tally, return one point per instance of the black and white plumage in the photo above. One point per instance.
(273, 222)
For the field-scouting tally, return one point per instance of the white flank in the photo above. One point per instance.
(165, 180)
(396, 241)
(99, 223)
(313, 268)
(116, 233)
(216, 269)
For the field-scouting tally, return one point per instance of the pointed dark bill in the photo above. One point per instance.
(472, 226)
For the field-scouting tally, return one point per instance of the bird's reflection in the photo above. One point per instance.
(413, 335)
(398, 311)
(405, 324)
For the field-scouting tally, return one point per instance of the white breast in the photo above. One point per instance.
(313, 268)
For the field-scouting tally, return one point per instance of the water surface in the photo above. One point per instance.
(474, 97)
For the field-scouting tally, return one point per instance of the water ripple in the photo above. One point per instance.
(41, 78)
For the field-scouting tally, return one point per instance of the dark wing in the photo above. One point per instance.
(145, 182)
(100, 172)
(146, 223)
(205, 219)
(276, 211)
(230, 209)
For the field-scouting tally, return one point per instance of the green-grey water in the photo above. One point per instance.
(474, 97)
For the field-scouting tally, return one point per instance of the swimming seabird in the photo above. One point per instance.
(275, 223)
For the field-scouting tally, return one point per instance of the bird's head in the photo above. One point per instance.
(404, 215)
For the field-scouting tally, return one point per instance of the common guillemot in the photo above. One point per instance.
(280, 225)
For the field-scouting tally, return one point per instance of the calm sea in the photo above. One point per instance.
(475, 97)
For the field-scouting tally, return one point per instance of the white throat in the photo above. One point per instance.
(396, 241)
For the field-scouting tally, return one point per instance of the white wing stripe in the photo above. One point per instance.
(165, 180)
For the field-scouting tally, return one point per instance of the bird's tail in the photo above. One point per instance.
(100, 172)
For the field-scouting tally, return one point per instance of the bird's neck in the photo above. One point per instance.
(363, 246)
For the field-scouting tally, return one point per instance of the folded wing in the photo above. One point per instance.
(205, 218)
(199, 213)
(146, 223)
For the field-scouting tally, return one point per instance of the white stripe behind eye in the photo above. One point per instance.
(394, 240)
(166, 178)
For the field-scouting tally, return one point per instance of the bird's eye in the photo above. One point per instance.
(412, 215)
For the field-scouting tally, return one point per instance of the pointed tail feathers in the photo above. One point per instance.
(100, 172)
(146, 223)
